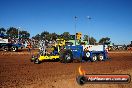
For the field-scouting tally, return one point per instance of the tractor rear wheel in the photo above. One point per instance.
(66, 56)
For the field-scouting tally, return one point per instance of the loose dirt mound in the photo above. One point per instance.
(16, 71)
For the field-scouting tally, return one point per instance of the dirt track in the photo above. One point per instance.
(16, 71)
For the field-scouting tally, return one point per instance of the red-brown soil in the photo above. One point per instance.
(16, 71)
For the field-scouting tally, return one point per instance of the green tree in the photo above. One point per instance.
(2, 30)
(72, 37)
(92, 40)
(12, 32)
(66, 36)
(24, 34)
(37, 37)
(104, 40)
(53, 36)
(85, 38)
(45, 35)
(59, 36)
(49, 37)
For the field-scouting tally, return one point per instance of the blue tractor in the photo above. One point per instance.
(81, 53)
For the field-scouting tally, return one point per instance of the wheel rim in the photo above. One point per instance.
(87, 54)
(94, 58)
(37, 61)
(13, 49)
(5, 49)
(68, 57)
(101, 57)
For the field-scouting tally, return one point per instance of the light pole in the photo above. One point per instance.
(75, 19)
(89, 18)
(18, 32)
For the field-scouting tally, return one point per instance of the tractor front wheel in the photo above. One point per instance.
(37, 61)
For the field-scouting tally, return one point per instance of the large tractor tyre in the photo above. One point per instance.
(61, 56)
(94, 58)
(36, 61)
(100, 57)
(14, 48)
(5, 48)
(66, 56)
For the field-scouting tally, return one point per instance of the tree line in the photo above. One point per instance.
(13, 32)
(67, 36)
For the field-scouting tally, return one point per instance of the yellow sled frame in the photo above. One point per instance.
(41, 58)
